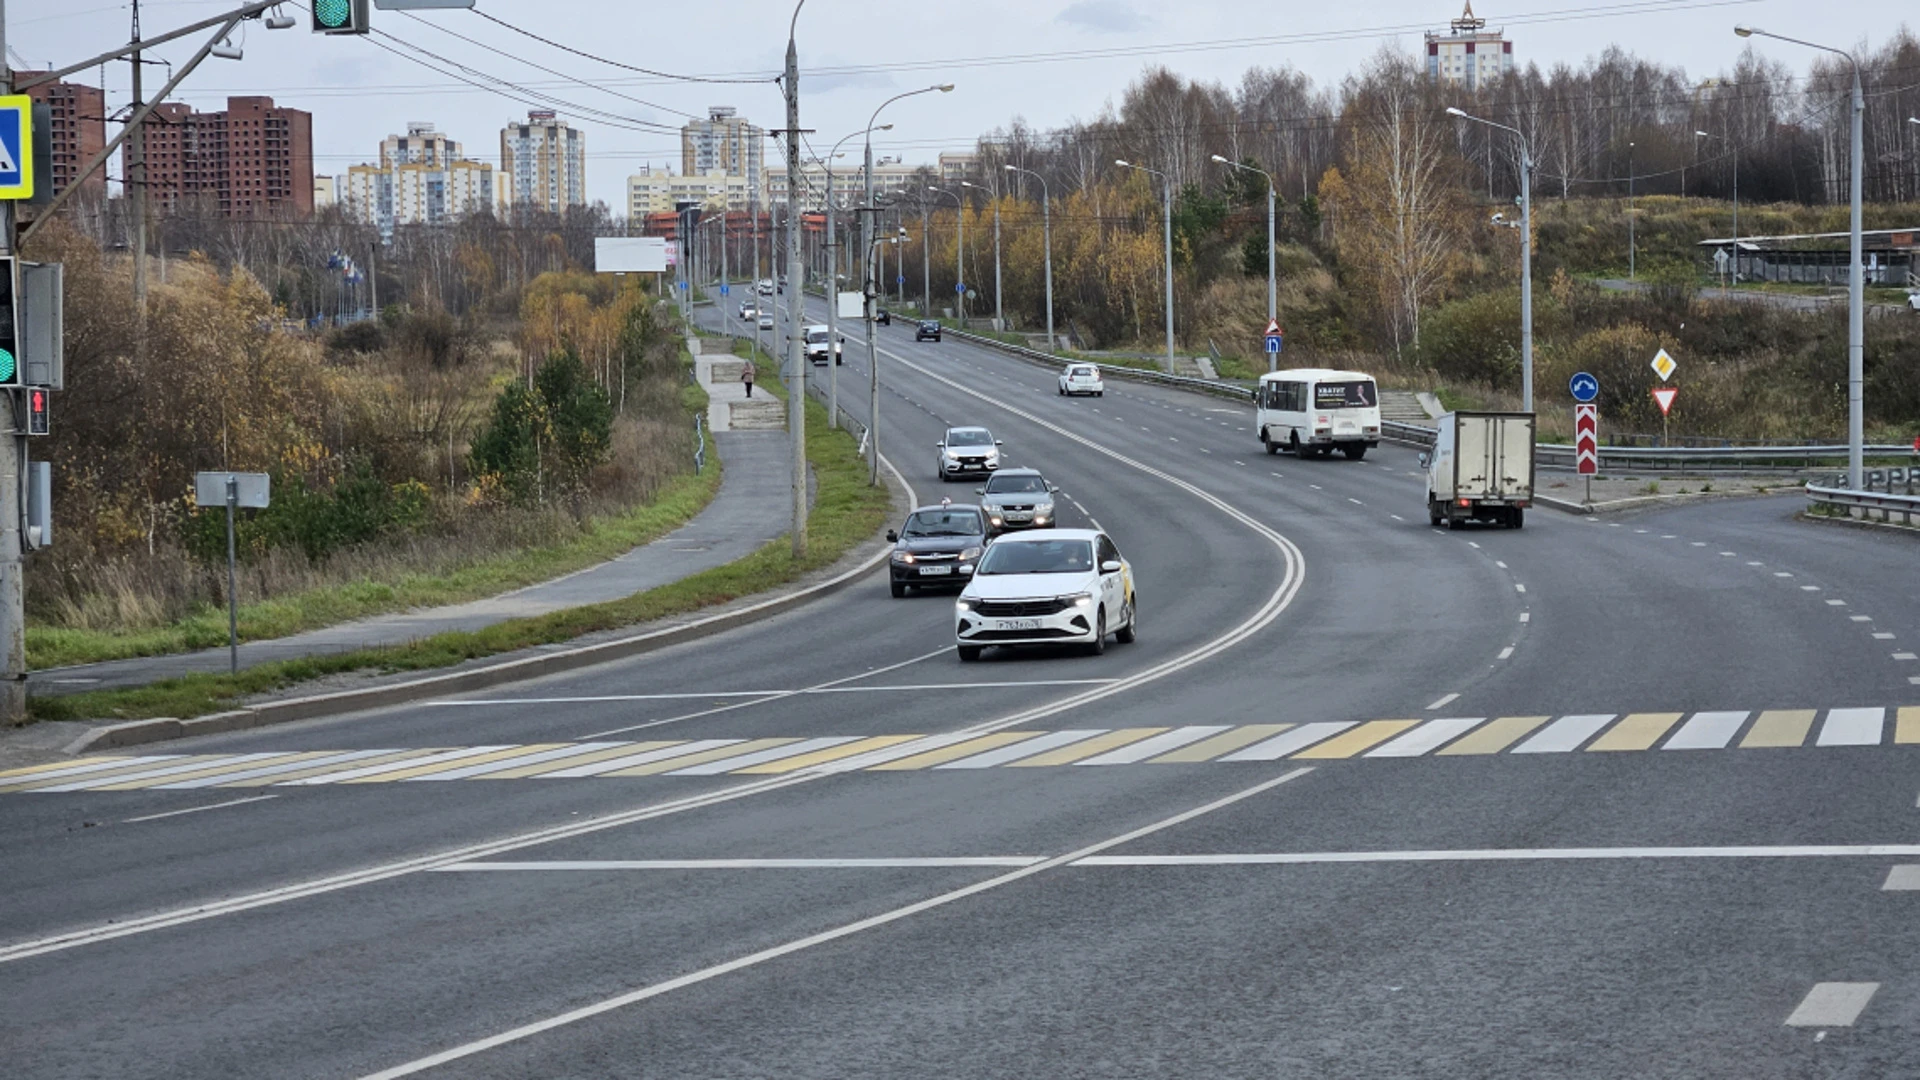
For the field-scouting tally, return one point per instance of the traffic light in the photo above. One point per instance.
(9, 322)
(37, 421)
(340, 16)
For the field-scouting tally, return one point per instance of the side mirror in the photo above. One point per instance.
(999, 442)
(939, 446)
(1425, 459)
(1052, 488)
(979, 491)
(893, 537)
(1111, 566)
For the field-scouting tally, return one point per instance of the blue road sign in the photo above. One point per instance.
(1275, 343)
(16, 147)
(959, 286)
(901, 280)
(683, 284)
(725, 289)
(1584, 387)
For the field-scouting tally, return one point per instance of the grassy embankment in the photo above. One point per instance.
(846, 512)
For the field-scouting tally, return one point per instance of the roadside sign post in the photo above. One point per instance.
(1586, 443)
(235, 490)
(1664, 367)
(1276, 343)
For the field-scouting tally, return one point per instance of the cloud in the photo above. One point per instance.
(1111, 16)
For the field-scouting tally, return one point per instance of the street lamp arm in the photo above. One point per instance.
(1517, 133)
(1249, 168)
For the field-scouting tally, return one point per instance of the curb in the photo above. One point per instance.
(162, 729)
(1563, 505)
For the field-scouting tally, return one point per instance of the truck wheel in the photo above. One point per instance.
(1433, 513)
(1355, 452)
(1518, 519)
(1293, 443)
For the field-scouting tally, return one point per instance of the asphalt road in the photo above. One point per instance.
(1660, 911)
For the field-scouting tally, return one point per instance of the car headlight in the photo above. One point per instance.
(1084, 599)
(952, 453)
(995, 518)
(904, 556)
(963, 604)
(971, 553)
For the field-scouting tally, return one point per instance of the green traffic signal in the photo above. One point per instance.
(7, 365)
(332, 14)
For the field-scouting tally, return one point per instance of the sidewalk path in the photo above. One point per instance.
(750, 509)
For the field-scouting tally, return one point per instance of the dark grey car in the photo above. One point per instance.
(1018, 499)
(936, 546)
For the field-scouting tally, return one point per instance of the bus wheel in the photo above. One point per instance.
(1354, 451)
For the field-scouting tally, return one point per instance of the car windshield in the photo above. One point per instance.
(969, 437)
(1001, 484)
(815, 337)
(1358, 394)
(1038, 557)
(943, 523)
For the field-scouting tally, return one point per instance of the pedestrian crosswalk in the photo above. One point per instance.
(1320, 740)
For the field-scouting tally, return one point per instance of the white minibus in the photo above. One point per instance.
(1313, 411)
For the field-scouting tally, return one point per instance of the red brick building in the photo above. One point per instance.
(79, 131)
(252, 160)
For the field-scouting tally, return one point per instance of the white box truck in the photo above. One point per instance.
(1480, 469)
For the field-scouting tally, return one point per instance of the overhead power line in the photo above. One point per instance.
(615, 63)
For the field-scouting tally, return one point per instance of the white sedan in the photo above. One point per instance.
(1048, 587)
(1082, 379)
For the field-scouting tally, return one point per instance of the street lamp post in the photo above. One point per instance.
(1856, 285)
(1273, 294)
(959, 252)
(1046, 232)
(1734, 147)
(1166, 203)
(1526, 256)
(833, 275)
(999, 314)
(1632, 248)
(796, 280)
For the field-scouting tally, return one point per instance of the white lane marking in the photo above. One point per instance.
(1904, 656)
(1914, 679)
(1505, 653)
(745, 864)
(1396, 517)
(1428, 736)
(93, 766)
(558, 753)
(1172, 439)
(1241, 463)
(1833, 1004)
(1025, 748)
(1861, 618)
(1836, 603)
(366, 771)
(1781, 573)
(631, 997)
(1442, 702)
(197, 809)
(1756, 564)
(1204, 450)
(1639, 531)
(1669, 536)
(1355, 501)
(1526, 616)
(85, 783)
(1289, 741)
(1882, 636)
(761, 757)
(1902, 878)
(1448, 855)
(1809, 588)
(802, 691)
(1473, 545)
(1707, 731)
(1517, 587)
(942, 651)
(1316, 487)
(298, 765)
(1852, 727)
(641, 757)
(1699, 543)
(1499, 564)
(1276, 476)
(1564, 735)
(1152, 747)
(1729, 554)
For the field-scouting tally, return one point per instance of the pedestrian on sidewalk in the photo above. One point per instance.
(746, 376)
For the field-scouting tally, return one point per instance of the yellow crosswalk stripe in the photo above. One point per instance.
(1906, 728)
(133, 765)
(953, 753)
(214, 770)
(1636, 731)
(338, 766)
(70, 763)
(1224, 743)
(1348, 743)
(831, 753)
(1780, 727)
(751, 746)
(1494, 735)
(457, 763)
(1086, 748)
(539, 768)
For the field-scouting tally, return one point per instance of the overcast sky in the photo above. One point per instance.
(1008, 58)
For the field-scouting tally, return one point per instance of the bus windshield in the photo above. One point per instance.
(1358, 394)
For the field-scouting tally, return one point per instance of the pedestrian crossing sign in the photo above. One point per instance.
(16, 147)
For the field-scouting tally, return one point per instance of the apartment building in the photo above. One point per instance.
(545, 162)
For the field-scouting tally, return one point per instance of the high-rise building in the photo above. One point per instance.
(323, 192)
(1468, 54)
(421, 180)
(849, 186)
(254, 159)
(723, 143)
(955, 167)
(78, 132)
(655, 191)
(545, 162)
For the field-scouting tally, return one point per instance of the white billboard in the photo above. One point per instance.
(630, 254)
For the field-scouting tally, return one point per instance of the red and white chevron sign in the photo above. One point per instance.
(1586, 439)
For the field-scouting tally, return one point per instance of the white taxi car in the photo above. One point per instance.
(1047, 587)
(1082, 379)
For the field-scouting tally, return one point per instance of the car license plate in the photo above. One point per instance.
(1017, 624)
(929, 571)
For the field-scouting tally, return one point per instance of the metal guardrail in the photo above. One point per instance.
(1740, 458)
(1869, 505)
(1236, 391)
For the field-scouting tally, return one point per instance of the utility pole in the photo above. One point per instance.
(1632, 249)
(926, 261)
(1046, 232)
(1526, 254)
(136, 184)
(1273, 292)
(796, 281)
(13, 618)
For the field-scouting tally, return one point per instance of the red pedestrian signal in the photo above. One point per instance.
(37, 420)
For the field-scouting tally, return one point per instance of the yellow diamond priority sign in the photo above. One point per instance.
(1663, 365)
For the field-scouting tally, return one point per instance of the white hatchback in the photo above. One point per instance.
(1048, 587)
(1082, 379)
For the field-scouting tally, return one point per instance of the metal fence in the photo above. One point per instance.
(1867, 505)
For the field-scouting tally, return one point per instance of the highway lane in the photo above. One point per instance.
(1082, 969)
